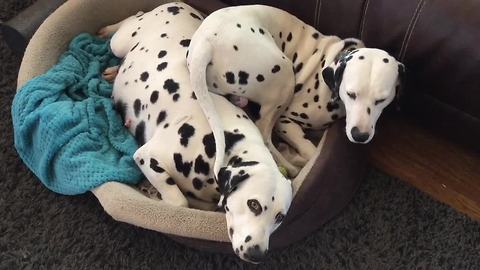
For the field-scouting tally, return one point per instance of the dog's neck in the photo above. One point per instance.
(250, 150)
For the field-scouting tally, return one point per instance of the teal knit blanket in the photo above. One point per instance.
(65, 127)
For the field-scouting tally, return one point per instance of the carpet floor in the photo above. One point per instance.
(388, 224)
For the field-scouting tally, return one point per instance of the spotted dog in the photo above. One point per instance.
(153, 94)
(296, 77)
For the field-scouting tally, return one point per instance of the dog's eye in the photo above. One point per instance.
(378, 101)
(352, 95)
(279, 217)
(255, 207)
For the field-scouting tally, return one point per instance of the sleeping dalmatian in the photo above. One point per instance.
(153, 94)
(296, 78)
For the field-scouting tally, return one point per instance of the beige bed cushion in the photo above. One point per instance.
(122, 202)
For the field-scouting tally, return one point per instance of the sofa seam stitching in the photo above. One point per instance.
(404, 52)
(407, 31)
(317, 12)
(364, 18)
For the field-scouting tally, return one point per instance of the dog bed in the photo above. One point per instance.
(323, 187)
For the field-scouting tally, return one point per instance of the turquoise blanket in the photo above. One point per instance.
(65, 127)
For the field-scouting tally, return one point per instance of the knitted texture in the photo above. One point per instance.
(65, 127)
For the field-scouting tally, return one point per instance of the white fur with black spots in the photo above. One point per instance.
(266, 55)
(152, 93)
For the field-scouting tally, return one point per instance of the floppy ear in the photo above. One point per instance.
(227, 183)
(328, 75)
(400, 83)
(333, 78)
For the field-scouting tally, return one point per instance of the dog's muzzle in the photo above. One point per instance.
(359, 136)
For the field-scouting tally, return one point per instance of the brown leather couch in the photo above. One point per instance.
(436, 40)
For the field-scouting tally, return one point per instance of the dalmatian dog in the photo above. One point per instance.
(153, 95)
(296, 78)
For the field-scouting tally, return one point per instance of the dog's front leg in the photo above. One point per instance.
(293, 134)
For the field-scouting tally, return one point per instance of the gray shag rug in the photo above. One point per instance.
(388, 225)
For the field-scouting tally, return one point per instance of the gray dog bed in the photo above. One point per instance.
(324, 186)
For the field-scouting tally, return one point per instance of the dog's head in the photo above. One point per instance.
(366, 80)
(256, 198)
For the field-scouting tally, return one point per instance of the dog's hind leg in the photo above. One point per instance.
(125, 37)
(148, 158)
(107, 31)
(269, 115)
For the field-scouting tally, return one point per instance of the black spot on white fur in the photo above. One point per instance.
(154, 97)
(237, 162)
(154, 166)
(140, 133)
(201, 166)
(161, 117)
(209, 144)
(174, 10)
(162, 54)
(185, 42)
(243, 77)
(331, 106)
(182, 167)
(298, 87)
(289, 37)
(162, 66)
(275, 69)
(133, 48)
(171, 86)
(197, 183)
(231, 139)
(230, 77)
(185, 131)
(137, 104)
(144, 76)
(195, 16)
(298, 68)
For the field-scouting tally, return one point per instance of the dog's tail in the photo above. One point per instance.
(198, 60)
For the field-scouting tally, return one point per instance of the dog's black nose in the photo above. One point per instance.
(359, 136)
(254, 254)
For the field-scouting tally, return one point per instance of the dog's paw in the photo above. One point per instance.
(110, 73)
(106, 32)
(175, 200)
